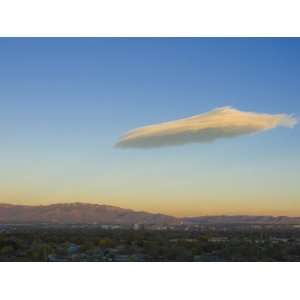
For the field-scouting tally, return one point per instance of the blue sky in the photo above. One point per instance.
(65, 103)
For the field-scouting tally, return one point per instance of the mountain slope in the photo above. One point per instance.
(243, 219)
(78, 213)
(85, 213)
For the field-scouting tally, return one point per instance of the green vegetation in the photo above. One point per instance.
(92, 243)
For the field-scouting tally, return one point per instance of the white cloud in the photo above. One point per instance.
(224, 122)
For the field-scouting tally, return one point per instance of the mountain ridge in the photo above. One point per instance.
(78, 212)
(90, 213)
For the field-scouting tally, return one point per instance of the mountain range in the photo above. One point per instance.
(85, 213)
(78, 213)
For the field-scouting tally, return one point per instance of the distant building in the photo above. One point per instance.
(279, 240)
(73, 249)
(110, 226)
(218, 239)
(138, 226)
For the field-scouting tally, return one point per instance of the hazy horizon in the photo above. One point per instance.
(179, 126)
(153, 212)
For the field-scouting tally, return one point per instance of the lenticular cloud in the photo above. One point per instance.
(224, 122)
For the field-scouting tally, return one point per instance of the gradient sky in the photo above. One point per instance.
(65, 103)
